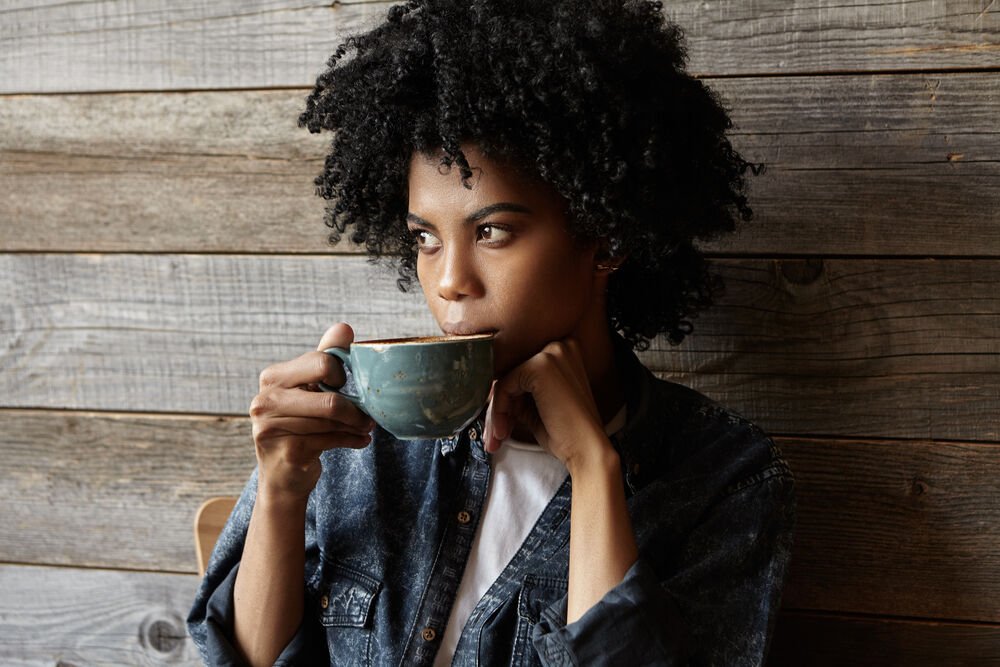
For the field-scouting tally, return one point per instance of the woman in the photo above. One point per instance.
(593, 514)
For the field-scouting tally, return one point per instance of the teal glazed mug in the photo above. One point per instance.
(419, 388)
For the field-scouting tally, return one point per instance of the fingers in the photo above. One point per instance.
(493, 429)
(510, 404)
(279, 402)
(303, 450)
(279, 426)
(545, 377)
(517, 410)
(310, 368)
(294, 422)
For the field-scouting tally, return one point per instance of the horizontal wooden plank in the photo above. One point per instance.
(870, 165)
(902, 528)
(179, 172)
(830, 641)
(102, 45)
(810, 36)
(872, 348)
(65, 617)
(160, 172)
(867, 348)
(68, 617)
(112, 490)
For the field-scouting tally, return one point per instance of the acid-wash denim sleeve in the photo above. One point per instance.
(210, 621)
(633, 624)
(717, 608)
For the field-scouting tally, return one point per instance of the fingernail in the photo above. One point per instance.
(498, 427)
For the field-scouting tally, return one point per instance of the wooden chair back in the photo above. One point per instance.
(208, 523)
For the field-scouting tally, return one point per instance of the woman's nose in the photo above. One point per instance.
(459, 277)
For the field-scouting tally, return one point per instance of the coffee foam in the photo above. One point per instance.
(425, 339)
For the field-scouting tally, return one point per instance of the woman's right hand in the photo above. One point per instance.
(294, 421)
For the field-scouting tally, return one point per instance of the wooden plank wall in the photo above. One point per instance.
(160, 244)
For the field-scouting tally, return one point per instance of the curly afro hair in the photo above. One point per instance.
(591, 96)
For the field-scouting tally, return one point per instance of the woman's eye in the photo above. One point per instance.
(424, 238)
(494, 234)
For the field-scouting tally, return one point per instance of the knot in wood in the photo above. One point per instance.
(801, 272)
(919, 487)
(163, 635)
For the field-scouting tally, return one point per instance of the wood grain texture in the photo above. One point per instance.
(902, 159)
(114, 490)
(851, 347)
(194, 171)
(830, 641)
(870, 348)
(809, 36)
(901, 528)
(101, 45)
(231, 172)
(68, 617)
(108, 617)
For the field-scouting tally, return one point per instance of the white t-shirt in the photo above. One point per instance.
(524, 476)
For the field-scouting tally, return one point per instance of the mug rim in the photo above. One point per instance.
(427, 340)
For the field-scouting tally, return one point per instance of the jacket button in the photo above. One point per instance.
(473, 434)
(464, 517)
(429, 634)
(324, 602)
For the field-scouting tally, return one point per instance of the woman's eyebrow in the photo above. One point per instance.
(478, 215)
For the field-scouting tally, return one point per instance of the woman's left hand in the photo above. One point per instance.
(550, 394)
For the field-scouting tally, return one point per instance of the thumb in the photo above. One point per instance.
(339, 335)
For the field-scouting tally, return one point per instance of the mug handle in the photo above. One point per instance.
(345, 358)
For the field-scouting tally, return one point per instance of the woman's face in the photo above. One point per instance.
(499, 258)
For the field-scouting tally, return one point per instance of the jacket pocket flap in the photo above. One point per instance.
(346, 596)
(537, 593)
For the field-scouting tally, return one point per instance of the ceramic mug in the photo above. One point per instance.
(420, 388)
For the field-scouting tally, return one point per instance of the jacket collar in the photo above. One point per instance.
(637, 384)
(640, 441)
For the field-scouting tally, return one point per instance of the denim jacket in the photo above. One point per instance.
(389, 529)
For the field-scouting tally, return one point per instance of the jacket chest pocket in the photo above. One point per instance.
(536, 594)
(344, 610)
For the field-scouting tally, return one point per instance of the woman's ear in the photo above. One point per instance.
(606, 260)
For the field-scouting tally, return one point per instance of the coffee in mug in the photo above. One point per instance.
(420, 388)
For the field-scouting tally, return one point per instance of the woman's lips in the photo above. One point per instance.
(464, 329)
